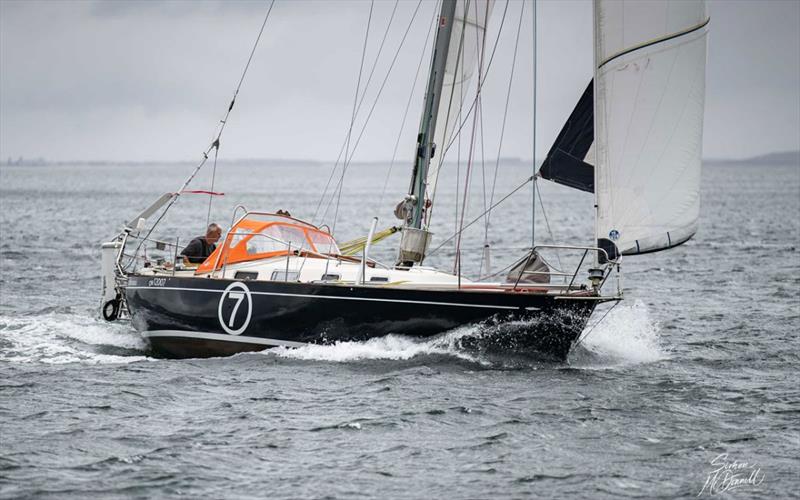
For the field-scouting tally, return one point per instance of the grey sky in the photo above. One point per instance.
(150, 80)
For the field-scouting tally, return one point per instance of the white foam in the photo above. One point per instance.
(390, 347)
(626, 335)
(65, 338)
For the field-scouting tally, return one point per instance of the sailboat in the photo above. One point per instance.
(633, 139)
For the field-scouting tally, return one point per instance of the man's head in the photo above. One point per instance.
(213, 233)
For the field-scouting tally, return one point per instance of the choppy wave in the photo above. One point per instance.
(390, 347)
(628, 334)
(59, 337)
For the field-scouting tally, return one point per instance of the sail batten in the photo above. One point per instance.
(655, 41)
(648, 106)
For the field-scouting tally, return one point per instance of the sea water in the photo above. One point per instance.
(689, 381)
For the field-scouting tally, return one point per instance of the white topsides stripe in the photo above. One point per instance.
(311, 296)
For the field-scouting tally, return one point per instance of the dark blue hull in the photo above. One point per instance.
(200, 317)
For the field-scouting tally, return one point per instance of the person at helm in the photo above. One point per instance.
(201, 247)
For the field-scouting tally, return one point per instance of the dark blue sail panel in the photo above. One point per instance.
(564, 163)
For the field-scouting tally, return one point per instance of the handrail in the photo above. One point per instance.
(236, 209)
(255, 212)
(608, 267)
(153, 240)
(278, 240)
(578, 268)
(576, 247)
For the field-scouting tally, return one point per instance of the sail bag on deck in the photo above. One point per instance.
(531, 269)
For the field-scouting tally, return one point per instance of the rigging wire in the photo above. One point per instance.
(503, 126)
(349, 159)
(458, 169)
(346, 165)
(547, 221)
(355, 104)
(505, 117)
(485, 255)
(377, 56)
(476, 219)
(215, 143)
(211, 190)
(408, 106)
(358, 108)
(459, 59)
(534, 35)
(471, 153)
(456, 132)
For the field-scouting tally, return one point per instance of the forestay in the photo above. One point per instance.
(649, 97)
(464, 54)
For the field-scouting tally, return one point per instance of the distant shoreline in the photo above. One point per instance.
(783, 158)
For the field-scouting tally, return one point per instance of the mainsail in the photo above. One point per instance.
(457, 51)
(467, 39)
(650, 60)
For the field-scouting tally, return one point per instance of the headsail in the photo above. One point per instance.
(650, 60)
(466, 46)
(569, 161)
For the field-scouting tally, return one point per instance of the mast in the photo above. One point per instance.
(595, 59)
(414, 241)
(427, 126)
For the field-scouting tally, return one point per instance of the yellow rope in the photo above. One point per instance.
(357, 245)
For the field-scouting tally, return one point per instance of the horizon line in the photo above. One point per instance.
(41, 161)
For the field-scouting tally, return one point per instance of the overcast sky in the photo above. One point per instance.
(149, 80)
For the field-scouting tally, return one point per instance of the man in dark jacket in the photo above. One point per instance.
(201, 247)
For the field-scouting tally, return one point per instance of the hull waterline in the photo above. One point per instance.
(203, 317)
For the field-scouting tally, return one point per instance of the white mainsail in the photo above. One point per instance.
(464, 54)
(650, 60)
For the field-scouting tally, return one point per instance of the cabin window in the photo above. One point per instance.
(245, 275)
(238, 236)
(262, 244)
(324, 243)
(285, 276)
(294, 236)
(330, 277)
(276, 238)
(379, 279)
